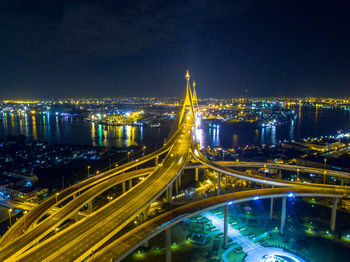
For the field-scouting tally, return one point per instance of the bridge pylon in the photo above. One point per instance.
(187, 106)
(194, 97)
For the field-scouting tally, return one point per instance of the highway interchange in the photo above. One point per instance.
(121, 247)
(94, 230)
(80, 240)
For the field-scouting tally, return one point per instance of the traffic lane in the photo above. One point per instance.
(78, 231)
(120, 246)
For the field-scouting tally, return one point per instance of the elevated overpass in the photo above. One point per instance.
(96, 229)
(257, 179)
(123, 209)
(72, 207)
(29, 178)
(39, 211)
(123, 246)
(38, 232)
(76, 242)
(275, 166)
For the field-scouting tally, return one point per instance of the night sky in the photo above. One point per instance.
(65, 49)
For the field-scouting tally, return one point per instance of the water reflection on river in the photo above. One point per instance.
(74, 130)
(313, 122)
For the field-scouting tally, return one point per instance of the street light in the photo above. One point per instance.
(55, 229)
(325, 161)
(88, 168)
(297, 174)
(10, 210)
(128, 156)
(324, 177)
(56, 196)
(137, 228)
(143, 149)
(24, 219)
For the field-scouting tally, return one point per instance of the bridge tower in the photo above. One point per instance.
(188, 102)
(194, 97)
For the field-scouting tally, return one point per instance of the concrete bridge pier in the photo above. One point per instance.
(168, 244)
(123, 186)
(225, 227)
(90, 207)
(196, 174)
(218, 186)
(130, 184)
(334, 213)
(144, 219)
(169, 193)
(76, 217)
(145, 213)
(179, 178)
(283, 214)
(177, 185)
(271, 207)
(226, 177)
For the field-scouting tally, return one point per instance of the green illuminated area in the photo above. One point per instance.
(307, 236)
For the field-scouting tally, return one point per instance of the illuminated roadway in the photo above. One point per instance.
(294, 168)
(257, 179)
(45, 227)
(92, 231)
(44, 207)
(67, 211)
(68, 253)
(81, 239)
(38, 212)
(121, 247)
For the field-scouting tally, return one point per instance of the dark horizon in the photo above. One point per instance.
(99, 49)
(164, 97)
